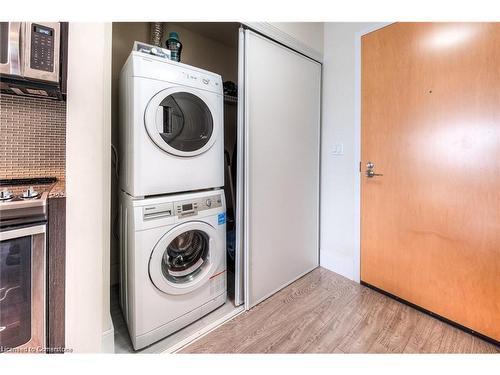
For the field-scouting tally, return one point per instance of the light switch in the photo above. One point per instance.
(338, 149)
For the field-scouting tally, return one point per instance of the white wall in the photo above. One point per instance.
(88, 137)
(305, 37)
(339, 239)
(309, 33)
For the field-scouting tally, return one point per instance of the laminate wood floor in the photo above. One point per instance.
(324, 312)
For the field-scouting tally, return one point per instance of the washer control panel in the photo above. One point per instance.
(191, 207)
(157, 211)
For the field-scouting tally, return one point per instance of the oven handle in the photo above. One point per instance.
(22, 232)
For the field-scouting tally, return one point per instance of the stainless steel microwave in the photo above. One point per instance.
(30, 58)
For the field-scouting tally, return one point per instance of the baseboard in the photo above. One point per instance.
(341, 264)
(108, 340)
(434, 315)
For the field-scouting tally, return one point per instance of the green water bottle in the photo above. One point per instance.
(174, 45)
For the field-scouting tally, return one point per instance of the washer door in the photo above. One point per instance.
(185, 258)
(181, 122)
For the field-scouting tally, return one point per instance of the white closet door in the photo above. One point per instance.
(282, 129)
(240, 193)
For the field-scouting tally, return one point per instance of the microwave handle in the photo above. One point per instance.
(14, 49)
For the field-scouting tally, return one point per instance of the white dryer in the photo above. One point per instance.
(173, 262)
(171, 127)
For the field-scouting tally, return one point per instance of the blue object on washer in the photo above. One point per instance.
(221, 219)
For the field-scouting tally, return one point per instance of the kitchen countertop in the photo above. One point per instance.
(58, 189)
(55, 189)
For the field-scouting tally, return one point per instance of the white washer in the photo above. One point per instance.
(171, 127)
(173, 262)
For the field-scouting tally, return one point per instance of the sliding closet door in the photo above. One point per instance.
(282, 125)
(239, 280)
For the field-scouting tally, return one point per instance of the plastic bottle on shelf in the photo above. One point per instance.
(175, 46)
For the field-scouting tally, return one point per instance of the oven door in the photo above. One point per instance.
(10, 37)
(22, 289)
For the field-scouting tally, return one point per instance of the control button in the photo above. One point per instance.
(208, 202)
(206, 81)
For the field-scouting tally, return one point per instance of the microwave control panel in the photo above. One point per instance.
(42, 48)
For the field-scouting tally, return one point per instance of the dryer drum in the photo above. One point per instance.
(186, 122)
(185, 256)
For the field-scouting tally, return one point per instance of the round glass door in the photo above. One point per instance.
(180, 122)
(185, 256)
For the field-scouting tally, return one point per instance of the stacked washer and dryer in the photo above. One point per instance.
(172, 206)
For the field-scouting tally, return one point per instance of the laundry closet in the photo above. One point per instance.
(270, 192)
(213, 46)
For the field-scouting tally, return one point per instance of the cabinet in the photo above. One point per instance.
(56, 258)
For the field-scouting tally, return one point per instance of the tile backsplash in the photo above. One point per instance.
(32, 137)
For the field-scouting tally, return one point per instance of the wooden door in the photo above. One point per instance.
(430, 226)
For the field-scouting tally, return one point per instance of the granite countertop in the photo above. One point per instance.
(58, 189)
(55, 189)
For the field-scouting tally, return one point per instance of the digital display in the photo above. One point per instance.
(42, 30)
(187, 207)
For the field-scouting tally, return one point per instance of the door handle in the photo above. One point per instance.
(14, 48)
(370, 173)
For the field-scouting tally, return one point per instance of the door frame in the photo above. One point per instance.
(357, 143)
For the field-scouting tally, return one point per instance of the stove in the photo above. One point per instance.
(23, 272)
(29, 193)
(24, 201)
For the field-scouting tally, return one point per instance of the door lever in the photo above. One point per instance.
(370, 173)
(369, 170)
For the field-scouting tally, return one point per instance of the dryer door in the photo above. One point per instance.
(185, 258)
(181, 121)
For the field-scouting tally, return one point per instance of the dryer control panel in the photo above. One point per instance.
(200, 80)
(191, 207)
(144, 65)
